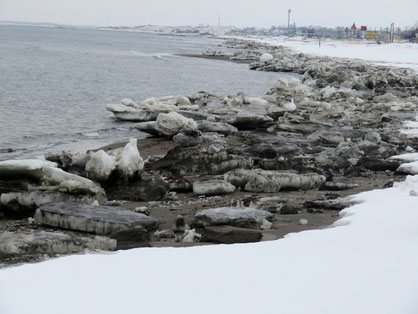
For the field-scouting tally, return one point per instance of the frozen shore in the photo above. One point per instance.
(224, 169)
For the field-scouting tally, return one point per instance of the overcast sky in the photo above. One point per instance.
(260, 13)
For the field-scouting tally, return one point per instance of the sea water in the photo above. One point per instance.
(55, 83)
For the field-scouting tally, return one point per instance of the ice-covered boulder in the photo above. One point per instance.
(100, 166)
(173, 123)
(240, 217)
(130, 161)
(266, 57)
(270, 181)
(101, 220)
(212, 187)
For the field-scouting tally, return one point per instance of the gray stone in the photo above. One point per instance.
(103, 220)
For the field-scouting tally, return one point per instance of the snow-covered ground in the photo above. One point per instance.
(393, 54)
(366, 263)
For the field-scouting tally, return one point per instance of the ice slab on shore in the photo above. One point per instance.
(31, 242)
(21, 201)
(102, 220)
(271, 181)
(25, 167)
(234, 216)
(212, 187)
(127, 113)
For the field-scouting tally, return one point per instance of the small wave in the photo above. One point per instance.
(92, 134)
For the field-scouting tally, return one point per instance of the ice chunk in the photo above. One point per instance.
(70, 182)
(191, 236)
(173, 123)
(290, 106)
(100, 166)
(266, 57)
(130, 162)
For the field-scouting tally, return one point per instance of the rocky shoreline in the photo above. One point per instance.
(218, 169)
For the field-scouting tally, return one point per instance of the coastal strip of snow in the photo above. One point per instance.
(367, 263)
(403, 55)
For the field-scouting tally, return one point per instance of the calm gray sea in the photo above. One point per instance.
(56, 82)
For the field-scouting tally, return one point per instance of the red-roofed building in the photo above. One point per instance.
(353, 27)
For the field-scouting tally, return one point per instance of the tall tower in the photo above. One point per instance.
(288, 20)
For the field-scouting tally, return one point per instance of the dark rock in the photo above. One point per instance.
(337, 186)
(130, 238)
(334, 204)
(148, 188)
(289, 209)
(229, 235)
(377, 164)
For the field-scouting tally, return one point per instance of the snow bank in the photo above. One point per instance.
(367, 264)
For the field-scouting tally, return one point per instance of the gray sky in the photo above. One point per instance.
(260, 13)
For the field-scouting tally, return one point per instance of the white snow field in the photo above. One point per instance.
(390, 54)
(367, 263)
